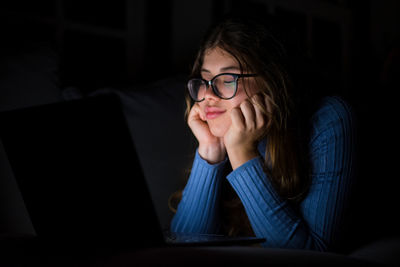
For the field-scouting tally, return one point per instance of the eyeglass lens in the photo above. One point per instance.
(224, 87)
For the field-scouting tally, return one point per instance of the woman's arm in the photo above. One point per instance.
(332, 168)
(198, 209)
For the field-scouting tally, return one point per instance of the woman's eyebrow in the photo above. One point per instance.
(205, 70)
(224, 69)
(229, 68)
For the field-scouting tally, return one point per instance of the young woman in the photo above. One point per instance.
(264, 166)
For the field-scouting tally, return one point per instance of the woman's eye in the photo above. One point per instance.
(229, 83)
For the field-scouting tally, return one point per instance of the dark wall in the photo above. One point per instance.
(119, 43)
(126, 43)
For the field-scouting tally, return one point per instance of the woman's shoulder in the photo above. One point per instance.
(333, 111)
(334, 103)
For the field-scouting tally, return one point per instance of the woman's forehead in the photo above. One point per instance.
(218, 60)
(219, 53)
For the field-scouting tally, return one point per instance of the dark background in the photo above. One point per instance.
(119, 43)
(125, 43)
(352, 45)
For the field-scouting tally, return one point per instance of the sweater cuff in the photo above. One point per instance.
(254, 164)
(203, 163)
(251, 174)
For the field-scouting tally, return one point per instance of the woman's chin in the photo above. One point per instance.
(218, 131)
(219, 126)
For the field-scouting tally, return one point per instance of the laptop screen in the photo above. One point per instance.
(79, 174)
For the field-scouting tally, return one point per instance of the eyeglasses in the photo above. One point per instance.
(224, 86)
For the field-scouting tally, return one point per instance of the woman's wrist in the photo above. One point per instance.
(212, 154)
(240, 155)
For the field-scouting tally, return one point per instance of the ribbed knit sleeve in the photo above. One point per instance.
(332, 158)
(198, 209)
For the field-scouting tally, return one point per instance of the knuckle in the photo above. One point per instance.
(234, 112)
(240, 127)
(245, 103)
(256, 98)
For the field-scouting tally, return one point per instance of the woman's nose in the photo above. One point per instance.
(210, 95)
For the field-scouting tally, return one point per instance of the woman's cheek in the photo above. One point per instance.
(238, 99)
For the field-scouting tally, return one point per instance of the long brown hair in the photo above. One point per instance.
(257, 51)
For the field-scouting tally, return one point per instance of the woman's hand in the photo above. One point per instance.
(211, 148)
(249, 125)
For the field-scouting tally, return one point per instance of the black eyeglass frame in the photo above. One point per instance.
(210, 83)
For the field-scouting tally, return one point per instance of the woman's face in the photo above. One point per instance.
(217, 110)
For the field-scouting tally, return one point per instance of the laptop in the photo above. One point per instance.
(81, 179)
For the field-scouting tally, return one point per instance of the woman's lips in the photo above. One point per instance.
(213, 112)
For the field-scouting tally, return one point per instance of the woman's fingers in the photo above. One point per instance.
(251, 113)
(237, 118)
(196, 113)
(248, 111)
(259, 107)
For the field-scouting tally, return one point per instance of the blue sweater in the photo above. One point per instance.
(319, 217)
